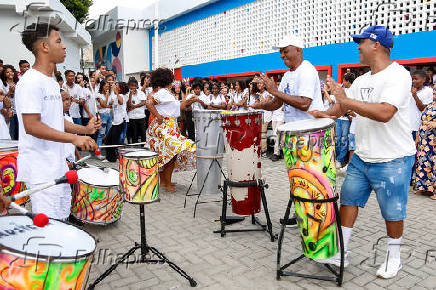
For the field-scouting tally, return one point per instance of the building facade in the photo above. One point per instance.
(16, 15)
(233, 38)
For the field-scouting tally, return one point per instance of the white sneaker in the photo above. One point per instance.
(335, 260)
(100, 157)
(389, 269)
(105, 161)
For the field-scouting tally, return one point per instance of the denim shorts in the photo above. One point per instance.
(390, 181)
(351, 142)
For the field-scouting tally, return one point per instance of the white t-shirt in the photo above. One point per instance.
(167, 105)
(426, 96)
(120, 111)
(5, 90)
(197, 105)
(70, 149)
(303, 82)
(344, 117)
(89, 96)
(237, 98)
(327, 104)
(137, 113)
(75, 92)
(378, 141)
(353, 125)
(4, 128)
(102, 97)
(267, 115)
(39, 160)
(217, 101)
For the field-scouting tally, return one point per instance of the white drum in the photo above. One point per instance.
(57, 256)
(96, 196)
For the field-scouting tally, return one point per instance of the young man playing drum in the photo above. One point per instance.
(385, 149)
(43, 130)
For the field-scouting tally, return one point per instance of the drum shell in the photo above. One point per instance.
(210, 142)
(8, 179)
(242, 131)
(24, 270)
(139, 178)
(96, 204)
(310, 161)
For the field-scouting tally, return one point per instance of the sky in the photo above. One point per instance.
(103, 6)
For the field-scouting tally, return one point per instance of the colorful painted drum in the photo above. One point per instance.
(309, 151)
(57, 256)
(96, 196)
(8, 169)
(210, 143)
(139, 175)
(242, 130)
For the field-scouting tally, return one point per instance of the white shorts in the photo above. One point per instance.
(54, 201)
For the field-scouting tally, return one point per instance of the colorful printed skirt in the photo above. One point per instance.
(167, 141)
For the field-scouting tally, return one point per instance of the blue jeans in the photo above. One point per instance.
(389, 180)
(106, 123)
(13, 127)
(342, 130)
(123, 133)
(77, 121)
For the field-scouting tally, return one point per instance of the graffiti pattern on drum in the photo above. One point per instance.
(25, 273)
(310, 160)
(140, 180)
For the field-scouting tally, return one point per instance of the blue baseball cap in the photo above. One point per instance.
(378, 34)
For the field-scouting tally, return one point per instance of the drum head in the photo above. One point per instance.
(141, 154)
(57, 239)
(98, 177)
(8, 145)
(303, 126)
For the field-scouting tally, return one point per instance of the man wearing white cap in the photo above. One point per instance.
(300, 89)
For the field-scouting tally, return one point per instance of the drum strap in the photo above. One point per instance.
(333, 199)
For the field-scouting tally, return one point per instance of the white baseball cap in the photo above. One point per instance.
(290, 39)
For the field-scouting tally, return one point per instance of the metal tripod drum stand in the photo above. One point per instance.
(225, 220)
(197, 202)
(210, 150)
(147, 256)
(338, 276)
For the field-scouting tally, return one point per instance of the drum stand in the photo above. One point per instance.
(214, 159)
(146, 256)
(338, 277)
(225, 220)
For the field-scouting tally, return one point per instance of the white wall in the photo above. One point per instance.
(12, 50)
(135, 52)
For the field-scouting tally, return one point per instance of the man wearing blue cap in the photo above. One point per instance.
(385, 149)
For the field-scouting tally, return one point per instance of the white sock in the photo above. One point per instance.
(346, 234)
(394, 246)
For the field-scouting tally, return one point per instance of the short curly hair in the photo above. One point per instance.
(161, 78)
(34, 32)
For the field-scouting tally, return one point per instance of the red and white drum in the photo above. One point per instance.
(242, 131)
(57, 256)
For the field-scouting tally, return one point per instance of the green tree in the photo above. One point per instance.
(79, 8)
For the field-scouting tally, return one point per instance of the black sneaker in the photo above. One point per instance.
(290, 222)
(275, 158)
